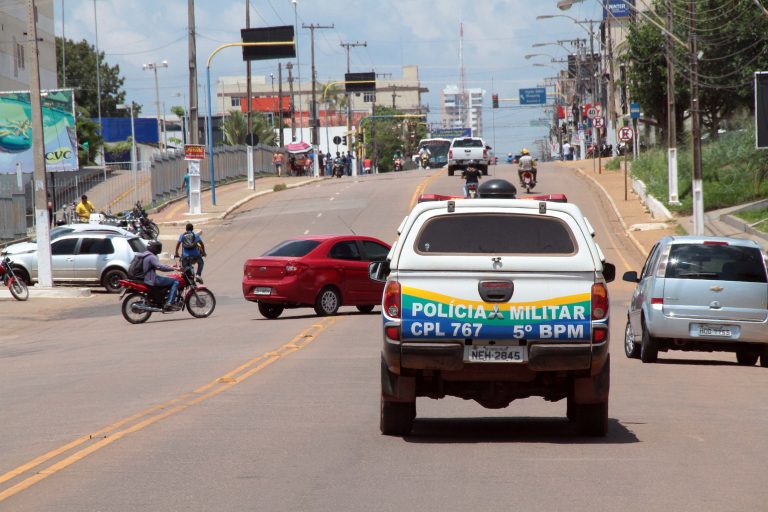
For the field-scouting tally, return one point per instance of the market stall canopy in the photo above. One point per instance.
(298, 147)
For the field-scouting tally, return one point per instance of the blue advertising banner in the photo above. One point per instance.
(617, 8)
(451, 133)
(59, 133)
(533, 96)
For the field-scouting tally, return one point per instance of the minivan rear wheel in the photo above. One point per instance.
(764, 356)
(649, 346)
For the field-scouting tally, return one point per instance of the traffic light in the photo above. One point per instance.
(344, 140)
(495, 101)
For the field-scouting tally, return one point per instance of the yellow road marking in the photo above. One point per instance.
(115, 431)
(420, 189)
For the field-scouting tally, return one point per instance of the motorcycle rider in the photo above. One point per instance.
(424, 156)
(151, 265)
(510, 158)
(470, 175)
(526, 163)
(397, 161)
(338, 163)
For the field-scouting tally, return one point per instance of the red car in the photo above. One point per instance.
(324, 272)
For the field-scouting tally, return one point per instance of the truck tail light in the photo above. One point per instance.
(599, 335)
(393, 332)
(450, 154)
(392, 299)
(485, 153)
(599, 301)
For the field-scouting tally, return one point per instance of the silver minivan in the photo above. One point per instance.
(700, 293)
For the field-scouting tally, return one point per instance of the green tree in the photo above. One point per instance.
(88, 137)
(385, 137)
(81, 75)
(235, 128)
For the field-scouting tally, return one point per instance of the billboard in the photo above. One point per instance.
(59, 131)
(617, 8)
(451, 133)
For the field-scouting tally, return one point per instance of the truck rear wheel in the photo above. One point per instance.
(591, 419)
(397, 417)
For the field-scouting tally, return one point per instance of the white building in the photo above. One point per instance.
(457, 113)
(14, 48)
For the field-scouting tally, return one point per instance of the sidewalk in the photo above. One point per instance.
(229, 197)
(642, 226)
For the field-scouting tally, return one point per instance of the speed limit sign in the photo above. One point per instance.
(599, 122)
(626, 134)
(592, 112)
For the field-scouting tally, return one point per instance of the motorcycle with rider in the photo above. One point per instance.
(526, 171)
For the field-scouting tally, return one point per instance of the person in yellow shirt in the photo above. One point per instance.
(84, 209)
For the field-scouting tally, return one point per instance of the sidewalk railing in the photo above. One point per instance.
(116, 188)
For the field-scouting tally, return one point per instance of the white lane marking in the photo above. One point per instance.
(332, 198)
(320, 214)
(306, 232)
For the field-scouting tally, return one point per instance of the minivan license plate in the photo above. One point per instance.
(715, 330)
(495, 354)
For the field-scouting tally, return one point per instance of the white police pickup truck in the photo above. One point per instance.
(493, 300)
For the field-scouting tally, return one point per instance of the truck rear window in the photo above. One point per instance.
(717, 262)
(467, 143)
(488, 233)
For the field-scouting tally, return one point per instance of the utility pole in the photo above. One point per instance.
(671, 116)
(698, 189)
(315, 133)
(289, 67)
(280, 135)
(42, 223)
(248, 75)
(611, 92)
(346, 47)
(194, 130)
(394, 95)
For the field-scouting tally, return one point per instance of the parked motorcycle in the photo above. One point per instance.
(471, 190)
(141, 300)
(139, 222)
(17, 286)
(528, 181)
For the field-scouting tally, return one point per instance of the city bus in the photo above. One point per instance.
(438, 148)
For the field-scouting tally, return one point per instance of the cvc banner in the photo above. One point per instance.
(59, 131)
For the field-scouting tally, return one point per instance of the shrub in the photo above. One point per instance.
(279, 186)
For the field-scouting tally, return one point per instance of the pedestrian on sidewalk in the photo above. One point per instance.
(185, 185)
(277, 159)
(84, 208)
(350, 159)
(328, 163)
(193, 249)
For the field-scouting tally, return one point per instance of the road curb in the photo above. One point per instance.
(51, 293)
(627, 231)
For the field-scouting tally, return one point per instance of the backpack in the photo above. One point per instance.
(136, 268)
(188, 240)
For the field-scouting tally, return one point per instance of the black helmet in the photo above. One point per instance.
(155, 247)
(497, 189)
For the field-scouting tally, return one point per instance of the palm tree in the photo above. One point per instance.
(235, 128)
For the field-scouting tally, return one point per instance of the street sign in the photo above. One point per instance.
(592, 112)
(533, 96)
(194, 152)
(337, 140)
(634, 110)
(599, 122)
(626, 134)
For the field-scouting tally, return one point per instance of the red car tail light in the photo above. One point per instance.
(293, 268)
(392, 299)
(599, 301)
(657, 300)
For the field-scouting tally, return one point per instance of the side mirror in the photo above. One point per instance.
(609, 272)
(630, 277)
(378, 271)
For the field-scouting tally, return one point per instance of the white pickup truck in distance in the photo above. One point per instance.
(493, 300)
(468, 151)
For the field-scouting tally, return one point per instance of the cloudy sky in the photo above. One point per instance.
(497, 35)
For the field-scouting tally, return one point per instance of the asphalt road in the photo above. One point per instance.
(236, 412)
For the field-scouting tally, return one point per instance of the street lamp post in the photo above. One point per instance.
(153, 66)
(134, 158)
